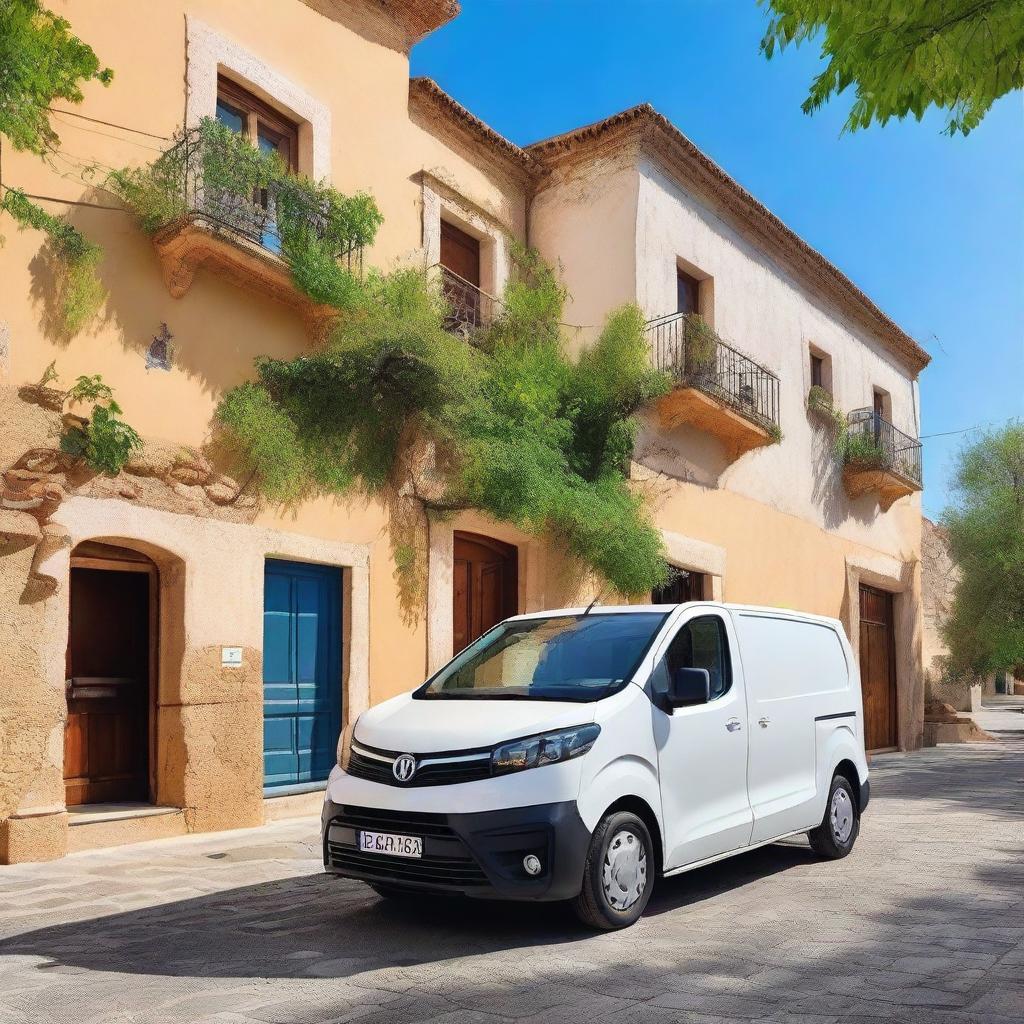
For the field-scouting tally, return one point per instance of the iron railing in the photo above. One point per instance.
(470, 309)
(874, 442)
(683, 345)
(211, 173)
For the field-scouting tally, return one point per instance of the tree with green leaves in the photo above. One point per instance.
(41, 61)
(903, 56)
(985, 630)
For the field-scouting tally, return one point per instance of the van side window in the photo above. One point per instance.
(701, 643)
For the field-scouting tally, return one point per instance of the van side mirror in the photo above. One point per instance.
(690, 686)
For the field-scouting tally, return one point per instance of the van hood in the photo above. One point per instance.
(434, 726)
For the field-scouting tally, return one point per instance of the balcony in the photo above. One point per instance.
(470, 309)
(878, 458)
(234, 231)
(718, 389)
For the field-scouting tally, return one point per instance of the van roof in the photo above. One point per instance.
(626, 609)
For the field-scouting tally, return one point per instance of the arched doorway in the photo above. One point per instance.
(110, 675)
(486, 586)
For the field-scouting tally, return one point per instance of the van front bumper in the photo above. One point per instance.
(479, 853)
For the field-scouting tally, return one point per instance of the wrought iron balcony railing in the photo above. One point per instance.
(211, 191)
(874, 443)
(469, 307)
(683, 345)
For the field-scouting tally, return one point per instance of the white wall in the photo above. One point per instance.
(763, 312)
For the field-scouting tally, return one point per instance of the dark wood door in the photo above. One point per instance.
(878, 668)
(106, 738)
(485, 586)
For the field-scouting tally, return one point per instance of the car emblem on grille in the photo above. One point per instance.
(404, 767)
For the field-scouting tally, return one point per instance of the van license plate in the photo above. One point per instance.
(386, 842)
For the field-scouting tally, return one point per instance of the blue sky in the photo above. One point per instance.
(931, 227)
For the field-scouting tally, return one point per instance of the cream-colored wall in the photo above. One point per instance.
(583, 221)
(763, 312)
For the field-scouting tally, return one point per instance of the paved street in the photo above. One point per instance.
(924, 922)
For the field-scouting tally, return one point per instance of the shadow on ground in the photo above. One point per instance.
(272, 929)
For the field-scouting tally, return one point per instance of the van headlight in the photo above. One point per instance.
(547, 748)
(345, 745)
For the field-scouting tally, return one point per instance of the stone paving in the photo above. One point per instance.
(924, 922)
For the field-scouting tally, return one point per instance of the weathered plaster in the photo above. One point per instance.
(5, 352)
(697, 556)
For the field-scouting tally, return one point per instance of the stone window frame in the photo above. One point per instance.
(443, 203)
(209, 54)
(698, 556)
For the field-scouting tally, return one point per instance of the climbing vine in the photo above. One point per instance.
(394, 405)
(79, 291)
(511, 425)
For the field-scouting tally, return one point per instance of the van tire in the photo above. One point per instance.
(835, 839)
(593, 906)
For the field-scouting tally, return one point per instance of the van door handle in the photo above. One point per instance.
(764, 722)
(733, 724)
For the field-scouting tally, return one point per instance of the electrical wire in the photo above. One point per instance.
(109, 124)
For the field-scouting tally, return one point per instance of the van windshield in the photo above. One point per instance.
(567, 657)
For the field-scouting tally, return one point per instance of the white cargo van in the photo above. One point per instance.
(578, 754)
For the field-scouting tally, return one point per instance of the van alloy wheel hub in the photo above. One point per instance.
(841, 815)
(624, 873)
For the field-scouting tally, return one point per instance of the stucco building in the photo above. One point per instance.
(174, 660)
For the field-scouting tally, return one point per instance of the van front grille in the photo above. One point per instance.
(446, 861)
(431, 769)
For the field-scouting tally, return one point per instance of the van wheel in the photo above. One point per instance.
(618, 874)
(835, 836)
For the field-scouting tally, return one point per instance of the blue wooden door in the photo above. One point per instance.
(301, 672)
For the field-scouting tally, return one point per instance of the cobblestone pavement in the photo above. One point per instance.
(924, 922)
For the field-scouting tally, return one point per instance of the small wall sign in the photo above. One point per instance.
(231, 657)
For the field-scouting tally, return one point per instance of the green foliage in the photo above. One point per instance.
(80, 292)
(40, 61)
(820, 400)
(89, 389)
(700, 346)
(859, 448)
(272, 449)
(904, 56)
(985, 629)
(104, 440)
(515, 428)
(315, 222)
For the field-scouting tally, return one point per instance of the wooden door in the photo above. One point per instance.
(301, 672)
(878, 668)
(485, 586)
(106, 737)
